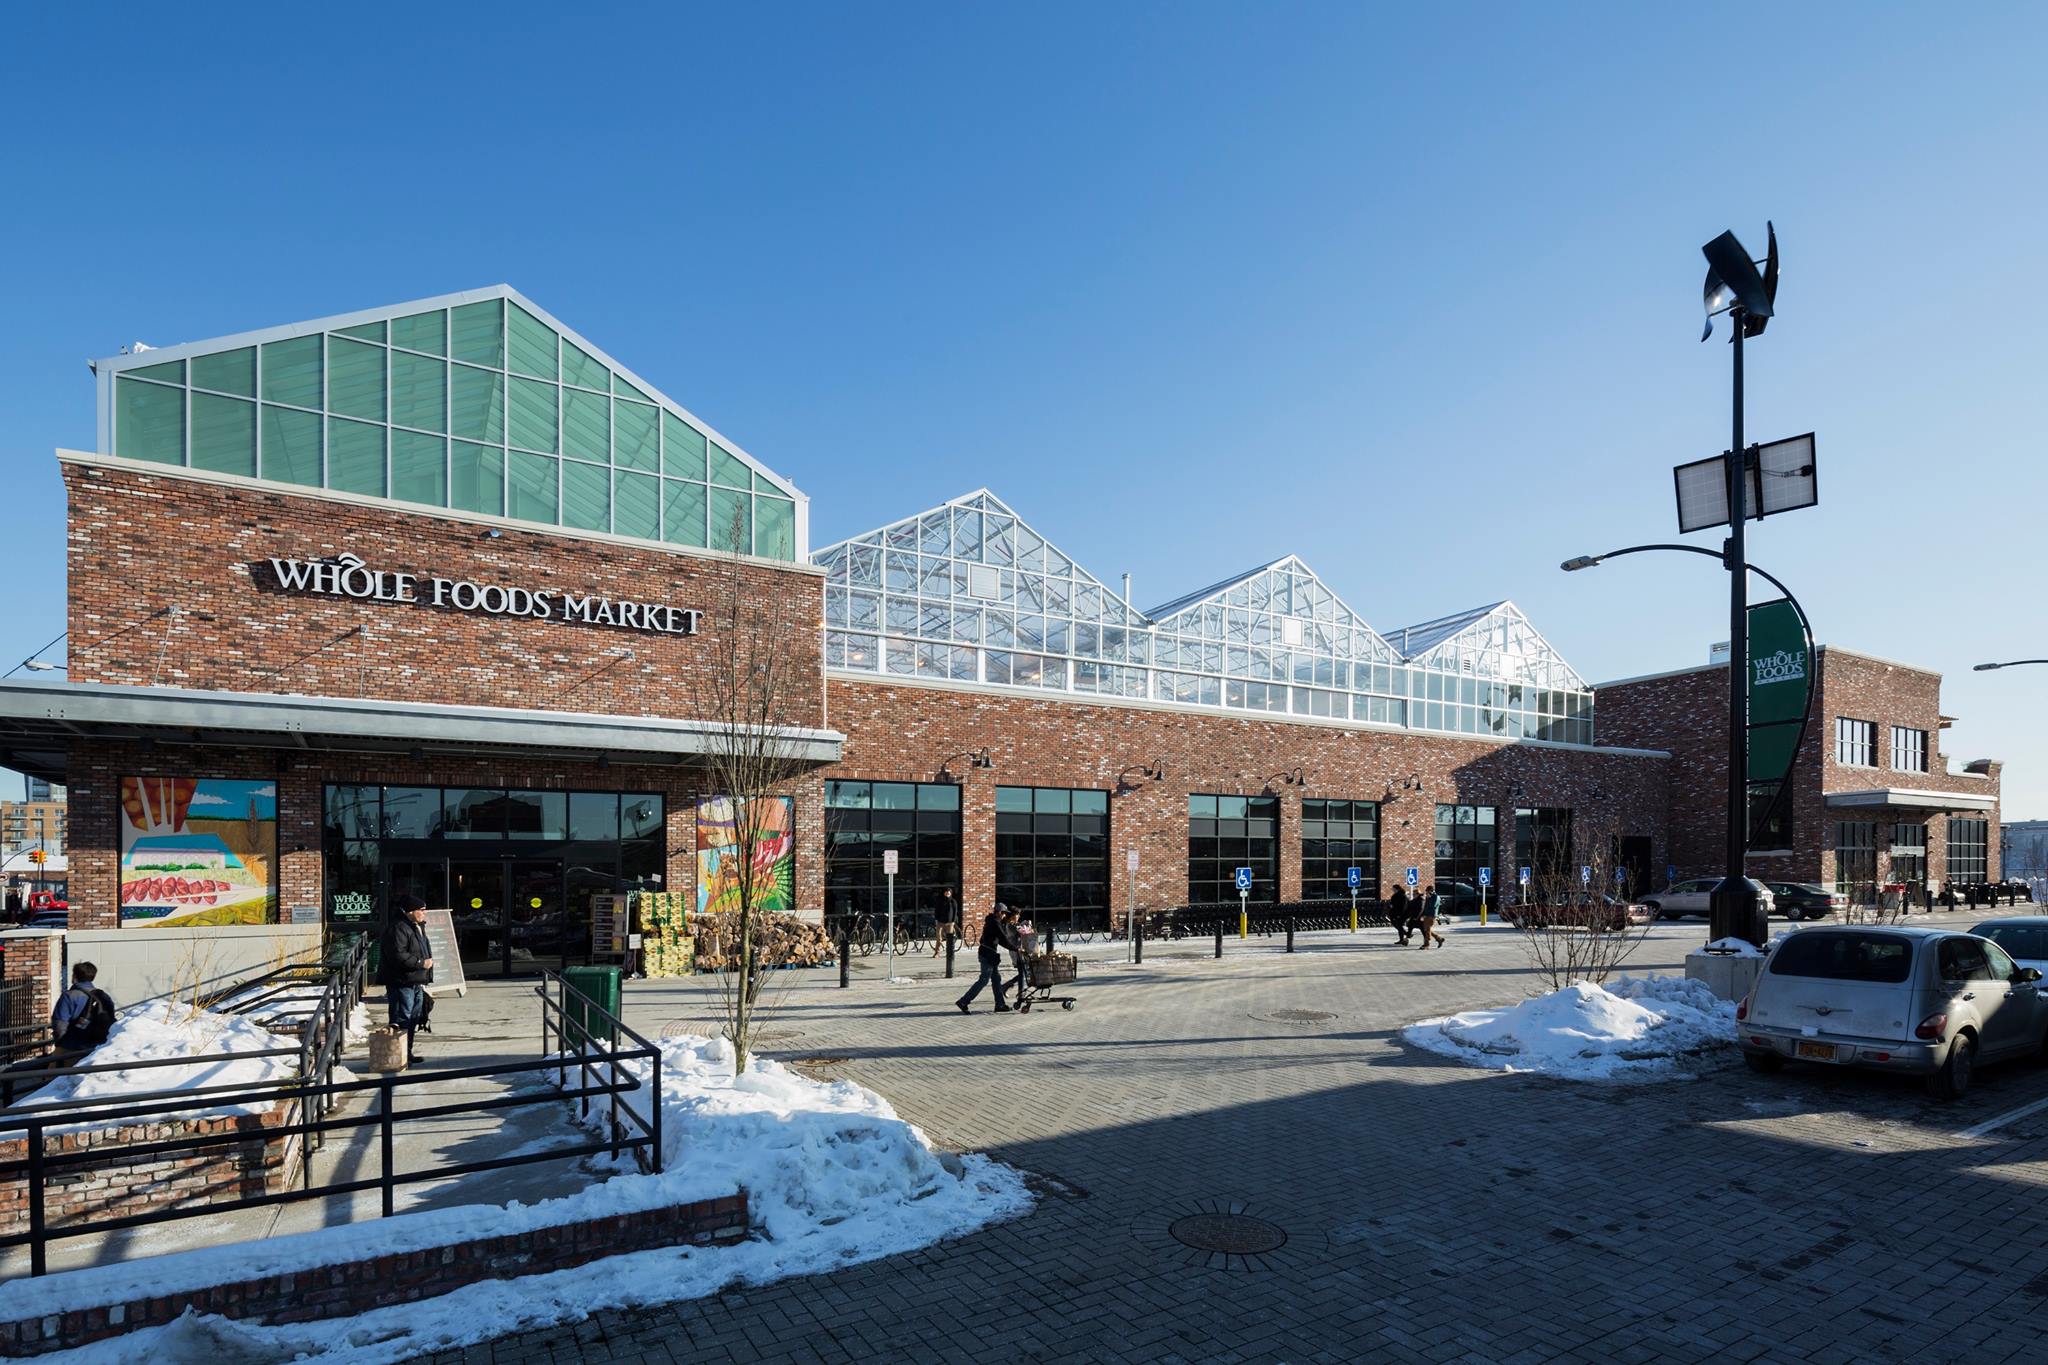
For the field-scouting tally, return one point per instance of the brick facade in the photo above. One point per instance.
(902, 732)
(32, 965)
(1687, 713)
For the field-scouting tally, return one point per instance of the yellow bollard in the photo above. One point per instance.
(1354, 917)
(1244, 923)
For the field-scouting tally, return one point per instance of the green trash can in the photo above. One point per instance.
(590, 990)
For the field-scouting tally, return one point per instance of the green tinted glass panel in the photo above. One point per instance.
(476, 477)
(682, 448)
(732, 526)
(530, 344)
(729, 469)
(586, 426)
(422, 332)
(149, 421)
(476, 404)
(682, 513)
(170, 372)
(228, 371)
(419, 468)
(774, 527)
(368, 331)
(291, 371)
(581, 367)
(355, 457)
(620, 386)
(634, 445)
(291, 446)
(636, 505)
(530, 487)
(355, 379)
(532, 409)
(477, 332)
(586, 496)
(419, 391)
(223, 435)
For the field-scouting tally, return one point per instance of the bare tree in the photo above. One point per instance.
(745, 692)
(1578, 921)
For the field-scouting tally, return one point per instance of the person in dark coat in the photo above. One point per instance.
(945, 921)
(1397, 914)
(997, 938)
(407, 966)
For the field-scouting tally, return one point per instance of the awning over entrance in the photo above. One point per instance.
(39, 719)
(1911, 798)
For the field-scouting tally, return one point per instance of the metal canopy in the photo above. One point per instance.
(1912, 798)
(39, 719)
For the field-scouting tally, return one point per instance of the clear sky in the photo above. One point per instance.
(1411, 291)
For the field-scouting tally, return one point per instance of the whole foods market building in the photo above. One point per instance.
(438, 598)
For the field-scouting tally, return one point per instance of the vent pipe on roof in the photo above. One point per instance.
(1127, 590)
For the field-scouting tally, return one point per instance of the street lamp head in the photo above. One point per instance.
(1580, 562)
(1986, 668)
(1733, 282)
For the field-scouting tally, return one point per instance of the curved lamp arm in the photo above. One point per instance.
(1805, 626)
(2009, 663)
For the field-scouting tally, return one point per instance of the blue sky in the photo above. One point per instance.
(1412, 292)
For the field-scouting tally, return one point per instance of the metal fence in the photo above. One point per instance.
(311, 1098)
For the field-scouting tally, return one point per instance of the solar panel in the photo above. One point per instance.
(1784, 478)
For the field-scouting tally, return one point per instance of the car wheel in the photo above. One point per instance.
(1952, 1082)
(1764, 1063)
(1656, 910)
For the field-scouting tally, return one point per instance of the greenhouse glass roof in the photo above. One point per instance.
(479, 402)
(968, 592)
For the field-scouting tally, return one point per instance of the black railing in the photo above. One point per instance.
(1200, 921)
(309, 1098)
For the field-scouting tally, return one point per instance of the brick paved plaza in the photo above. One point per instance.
(1432, 1213)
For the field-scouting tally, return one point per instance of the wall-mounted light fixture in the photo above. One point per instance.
(976, 758)
(1142, 772)
(1292, 777)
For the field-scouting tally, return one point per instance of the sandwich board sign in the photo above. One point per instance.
(443, 947)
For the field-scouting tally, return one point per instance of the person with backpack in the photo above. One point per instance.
(407, 965)
(1428, 906)
(82, 1018)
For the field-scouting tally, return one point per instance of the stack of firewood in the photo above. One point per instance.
(779, 941)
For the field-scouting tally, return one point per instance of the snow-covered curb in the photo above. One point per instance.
(833, 1178)
(1633, 1028)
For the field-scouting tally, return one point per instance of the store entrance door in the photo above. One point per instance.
(509, 914)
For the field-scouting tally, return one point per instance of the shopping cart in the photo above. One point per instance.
(1039, 973)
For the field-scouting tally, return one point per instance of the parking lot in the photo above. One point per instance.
(1424, 1211)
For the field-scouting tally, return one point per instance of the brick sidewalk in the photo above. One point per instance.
(1432, 1213)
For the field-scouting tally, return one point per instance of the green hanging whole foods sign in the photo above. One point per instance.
(1780, 681)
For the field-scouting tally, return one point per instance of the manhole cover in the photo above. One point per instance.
(1228, 1234)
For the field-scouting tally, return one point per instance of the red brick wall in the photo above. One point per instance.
(1687, 713)
(140, 541)
(902, 732)
(401, 1277)
(33, 962)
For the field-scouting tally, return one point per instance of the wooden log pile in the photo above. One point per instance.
(779, 941)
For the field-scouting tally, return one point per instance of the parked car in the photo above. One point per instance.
(1612, 914)
(1693, 898)
(1806, 900)
(2024, 936)
(49, 919)
(1924, 1002)
(47, 900)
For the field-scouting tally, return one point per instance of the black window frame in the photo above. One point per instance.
(1052, 860)
(1463, 846)
(1909, 749)
(1337, 835)
(1856, 860)
(1227, 831)
(1969, 849)
(919, 820)
(1855, 737)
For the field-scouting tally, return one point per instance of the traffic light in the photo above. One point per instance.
(37, 856)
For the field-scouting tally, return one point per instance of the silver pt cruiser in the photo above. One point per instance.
(1927, 1002)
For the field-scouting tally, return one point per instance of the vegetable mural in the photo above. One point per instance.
(774, 855)
(198, 851)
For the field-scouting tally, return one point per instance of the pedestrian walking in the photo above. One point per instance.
(945, 921)
(1425, 918)
(996, 938)
(407, 966)
(1397, 913)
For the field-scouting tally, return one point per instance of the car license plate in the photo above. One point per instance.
(1818, 1052)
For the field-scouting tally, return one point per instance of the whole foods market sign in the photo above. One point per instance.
(349, 576)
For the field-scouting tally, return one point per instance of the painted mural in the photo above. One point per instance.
(198, 851)
(718, 882)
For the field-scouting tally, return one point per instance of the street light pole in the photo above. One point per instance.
(1733, 907)
(2009, 663)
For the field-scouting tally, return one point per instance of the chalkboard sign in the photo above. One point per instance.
(607, 926)
(442, 947)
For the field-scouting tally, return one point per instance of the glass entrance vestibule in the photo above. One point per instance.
(516, 869)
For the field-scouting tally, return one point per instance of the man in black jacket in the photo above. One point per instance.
(407, 966)
(996, 937)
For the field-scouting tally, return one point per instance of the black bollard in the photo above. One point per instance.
(1137, 937)
(950, 941)
(845, 950)
(1290, 931)
(1219, 936)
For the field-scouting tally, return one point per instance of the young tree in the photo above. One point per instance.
(1578, 921)
(744, 692)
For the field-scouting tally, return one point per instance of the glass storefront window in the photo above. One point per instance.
(1229, 832)
(472, 813)
(641, 815)
(412, 812)
(920, 821)
(593, 815)
(1465, 842)
(1052, 855)
(537, 815)
(1337, 836)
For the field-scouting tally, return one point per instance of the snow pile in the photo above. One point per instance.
(1742, 947)
(1631, 1028)
(163, 1029)
(833, 1178)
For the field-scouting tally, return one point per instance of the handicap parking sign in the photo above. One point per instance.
(1585, 875)
(1523, 876)
(1244, 879)
(1351, 877)
(1413, 877)
(1486, 876)
(1619, 874)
